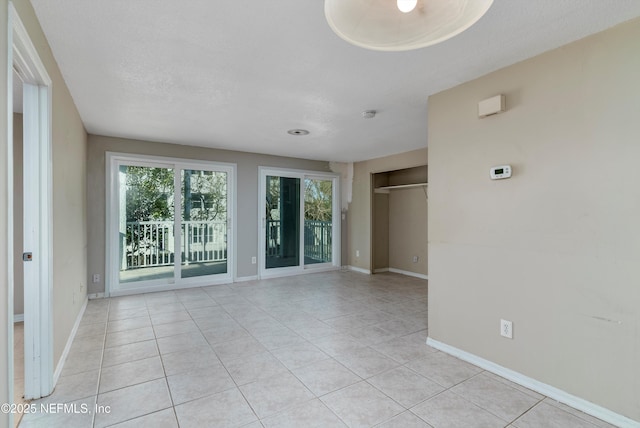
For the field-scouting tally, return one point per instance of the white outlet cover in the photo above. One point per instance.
(506, 329)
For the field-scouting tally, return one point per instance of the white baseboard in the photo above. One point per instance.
(18, 318)
(361, 270)
(295, 272)
(95, 296)
(67, 348)
(246, 278)
(408, 273)
(539, 387)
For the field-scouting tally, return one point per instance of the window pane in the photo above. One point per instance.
(204, 223)
(146, 223)
(283, 222)
(318, 210)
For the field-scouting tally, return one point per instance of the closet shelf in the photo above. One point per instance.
(385, 189)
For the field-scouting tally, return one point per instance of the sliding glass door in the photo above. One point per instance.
(204, 226)
(298, 223)
(169, 224)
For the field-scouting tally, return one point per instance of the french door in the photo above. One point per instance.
(300, 221)
(169, 224)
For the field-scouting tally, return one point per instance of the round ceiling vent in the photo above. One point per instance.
(298, 132)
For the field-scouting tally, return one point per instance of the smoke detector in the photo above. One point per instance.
(298, 132)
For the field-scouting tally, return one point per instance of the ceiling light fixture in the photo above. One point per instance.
(406, 6)
(298, 132)
(408, 24)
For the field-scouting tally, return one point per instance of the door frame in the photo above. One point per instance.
(263, 172)
(38, 212)
(112, 255)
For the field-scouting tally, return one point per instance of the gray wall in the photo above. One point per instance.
(408, 230)
(247, 192)
(18, 272)
(556, 248)
(380, 231)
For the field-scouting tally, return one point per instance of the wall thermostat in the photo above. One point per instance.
(500, 172)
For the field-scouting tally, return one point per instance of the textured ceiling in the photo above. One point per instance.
(238, 74)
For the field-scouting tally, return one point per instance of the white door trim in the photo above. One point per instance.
(8, 167)
(38, 310)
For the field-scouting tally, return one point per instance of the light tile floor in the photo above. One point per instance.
(320, 350)
(18, 369)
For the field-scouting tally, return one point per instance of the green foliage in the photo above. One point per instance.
(205, 195)
(149, 194)
(318, 199)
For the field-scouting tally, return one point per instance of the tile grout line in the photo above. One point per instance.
(275, 290)
(223, 365)
(104, 347)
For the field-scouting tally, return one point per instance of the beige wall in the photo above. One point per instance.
(554, 249)
(359, 215)
(247, 196)
(18, 273)
(408, 229)
(5, 179)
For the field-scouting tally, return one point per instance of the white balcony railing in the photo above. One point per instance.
(317, 240)
(152, 243)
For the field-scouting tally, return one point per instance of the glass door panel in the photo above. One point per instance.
(282, 222)
(146, 223)
(204, 214)
(318, 221)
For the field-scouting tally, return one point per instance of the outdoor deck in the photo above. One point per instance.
(159, 272)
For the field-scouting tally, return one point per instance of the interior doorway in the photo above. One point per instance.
(18, 245)
(30, 191)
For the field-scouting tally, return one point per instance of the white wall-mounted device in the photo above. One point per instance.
(500, 172)
(491, 106)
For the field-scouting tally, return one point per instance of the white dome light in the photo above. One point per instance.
(406, 6)
(384, 26)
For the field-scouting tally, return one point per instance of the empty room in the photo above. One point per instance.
(343, 213)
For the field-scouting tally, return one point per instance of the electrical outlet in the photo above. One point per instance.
(415, 259)
(96, 278)
(253, 260)
(357, 253)
(506, 329)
